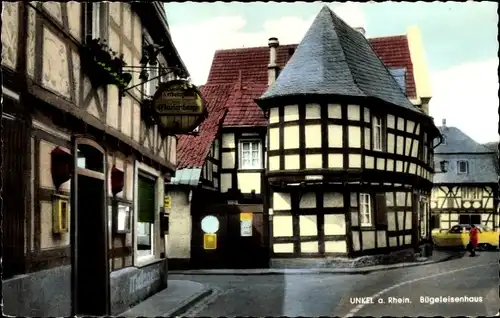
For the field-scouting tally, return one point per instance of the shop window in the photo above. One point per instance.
(145, 216)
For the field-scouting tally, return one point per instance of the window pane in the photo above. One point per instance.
(255, 154)
(245, 146)
(255, 163)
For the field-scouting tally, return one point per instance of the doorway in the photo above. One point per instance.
(89, 231)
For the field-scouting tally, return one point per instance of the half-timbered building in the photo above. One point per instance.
(239, 76)
(349, 156)
(85, 167)
(465, 183)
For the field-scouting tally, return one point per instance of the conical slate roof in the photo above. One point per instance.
(335, 59)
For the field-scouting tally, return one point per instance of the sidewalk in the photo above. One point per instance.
(437, 257)
(170, 302)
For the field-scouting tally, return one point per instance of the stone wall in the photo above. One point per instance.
(48, 293)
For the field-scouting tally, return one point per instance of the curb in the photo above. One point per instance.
(188, 303)
(346, 271)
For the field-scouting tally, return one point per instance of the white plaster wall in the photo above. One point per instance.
(180, 226)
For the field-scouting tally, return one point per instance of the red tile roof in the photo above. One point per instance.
(192, 150)
(395, 52)
(238, 76)
(242, 110)
(252, 62)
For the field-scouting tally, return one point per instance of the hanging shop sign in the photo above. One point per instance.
(178, 107)
(246, 220)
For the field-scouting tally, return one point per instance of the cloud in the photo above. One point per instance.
(467, 96)
(198, 42)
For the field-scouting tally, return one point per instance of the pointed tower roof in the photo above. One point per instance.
(335, 59)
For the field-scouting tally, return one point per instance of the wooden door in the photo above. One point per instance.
(15, 145)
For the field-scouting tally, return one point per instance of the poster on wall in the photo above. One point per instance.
(246, 224)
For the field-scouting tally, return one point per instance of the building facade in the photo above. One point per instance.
(249, 144)
(85, 167)
(465, 183)
(349, 156)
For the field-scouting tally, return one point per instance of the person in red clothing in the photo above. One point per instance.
(473, 240)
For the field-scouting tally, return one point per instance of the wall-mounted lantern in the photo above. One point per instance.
(444, 165)
(60, 166)
(117, 180)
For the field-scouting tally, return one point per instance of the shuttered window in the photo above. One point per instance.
(380, 209)
(146, 197)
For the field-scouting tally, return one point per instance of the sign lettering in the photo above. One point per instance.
(143, 280)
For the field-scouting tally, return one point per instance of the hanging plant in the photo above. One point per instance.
(102, 65)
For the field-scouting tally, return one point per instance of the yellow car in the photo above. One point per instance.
(458, 236)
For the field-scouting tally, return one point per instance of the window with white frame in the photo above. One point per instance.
(462, 167)
(471, 193)
(152, 81)
(250, 154)
(365, 209)
(377, 133)
(146, 210)
(93, 19)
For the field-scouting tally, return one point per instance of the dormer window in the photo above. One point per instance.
(462, 167)
(377, 133)
(444, 140)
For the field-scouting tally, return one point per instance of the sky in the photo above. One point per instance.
(459, 38)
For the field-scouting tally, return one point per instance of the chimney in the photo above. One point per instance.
(272, 68)
(361, 30)
(444, 122)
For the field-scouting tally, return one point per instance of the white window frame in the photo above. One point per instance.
(149, 87)
(365, 209)
(96, 20)
(466, 167)
(252, 142)
(144, 260)
(471, 193)
(377, 128)
(93, 29)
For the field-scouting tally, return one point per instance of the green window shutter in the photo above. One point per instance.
(146, 204)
